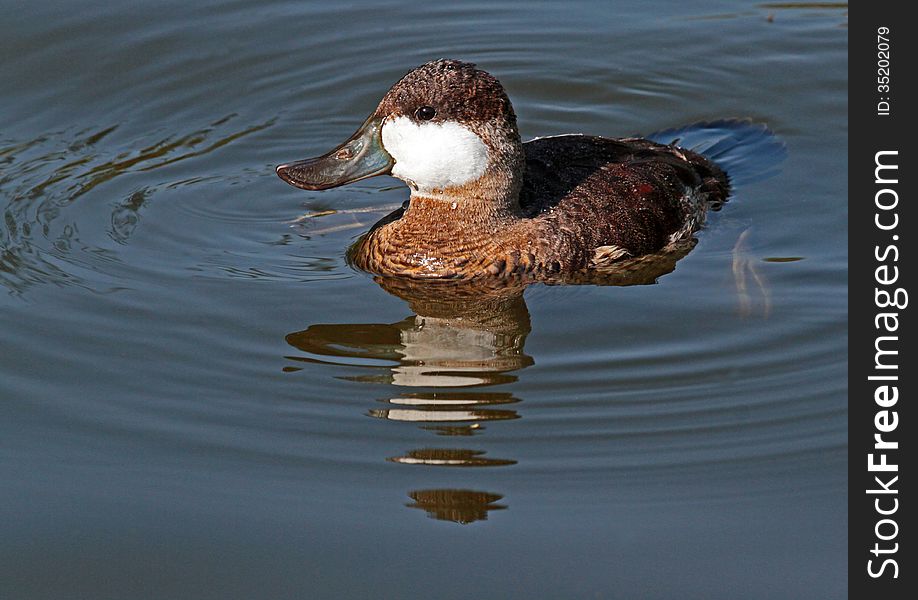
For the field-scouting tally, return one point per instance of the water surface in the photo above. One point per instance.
(200, 399)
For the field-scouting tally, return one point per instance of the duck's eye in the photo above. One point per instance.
(426, 113)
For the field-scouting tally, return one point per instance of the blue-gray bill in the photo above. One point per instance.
(361, 156)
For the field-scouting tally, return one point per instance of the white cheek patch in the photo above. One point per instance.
(434, 155)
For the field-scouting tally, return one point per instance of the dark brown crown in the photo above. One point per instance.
(457, 90)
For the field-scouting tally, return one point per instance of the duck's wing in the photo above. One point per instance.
(556, 165)
(632, 195)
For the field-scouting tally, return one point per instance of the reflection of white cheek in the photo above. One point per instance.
(434, 155)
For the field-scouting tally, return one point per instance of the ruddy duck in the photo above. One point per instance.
(484, 204)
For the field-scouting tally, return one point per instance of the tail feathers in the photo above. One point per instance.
(746, 151)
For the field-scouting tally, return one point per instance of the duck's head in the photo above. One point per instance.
(446, 128)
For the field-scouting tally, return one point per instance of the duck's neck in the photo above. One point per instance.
(495, 196)
(461, 212)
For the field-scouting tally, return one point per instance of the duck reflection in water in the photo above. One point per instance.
(461, 337)
(459, 340)
(458, 506)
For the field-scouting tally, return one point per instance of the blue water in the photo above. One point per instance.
(200, 399)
